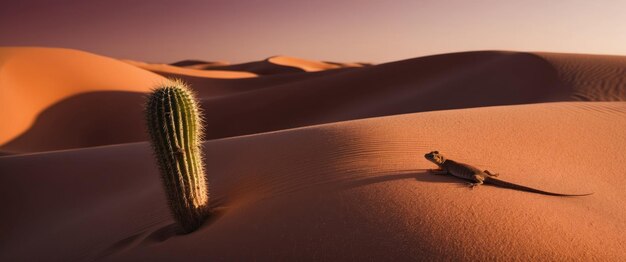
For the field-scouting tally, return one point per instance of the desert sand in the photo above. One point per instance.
(313, 160)
(35, 81)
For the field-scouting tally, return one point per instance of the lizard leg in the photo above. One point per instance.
(479, 181)
(491, 174)
(437, 171)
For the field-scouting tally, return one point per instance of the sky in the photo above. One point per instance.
(333, 30)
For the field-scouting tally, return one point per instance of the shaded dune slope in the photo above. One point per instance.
(276, 65)
(273, 71)
(354, 190)
(34, 79)
(592, 77)
(84, 120)
(271, 66)
(424, 84)
(216, 87)
(198, 64)
(185, 71)
(264, 67)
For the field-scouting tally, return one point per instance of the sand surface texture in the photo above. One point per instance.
(312, 160)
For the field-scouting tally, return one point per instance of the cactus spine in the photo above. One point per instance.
(175, 128)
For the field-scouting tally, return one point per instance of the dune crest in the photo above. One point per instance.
(187, 71)
(308, 65)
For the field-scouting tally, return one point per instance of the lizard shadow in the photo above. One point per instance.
(446, 179)
(421, 175)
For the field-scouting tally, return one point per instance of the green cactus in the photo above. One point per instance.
(175, 127)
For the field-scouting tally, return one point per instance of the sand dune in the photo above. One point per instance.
(199, 64)
(275, 65)
(260, 104)
(218, 87)
(344, 191)
(271, 66)
(448, 81)
(165, 68)
(416, 85)
(593, 77)
(33, 79)
(318, 160)
(274, 71)
(264, 67)
(309, 65)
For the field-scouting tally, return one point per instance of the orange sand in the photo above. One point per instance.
(308, 65)
(33, 79)
(315, 186)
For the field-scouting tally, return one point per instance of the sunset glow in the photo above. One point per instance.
(368, 31)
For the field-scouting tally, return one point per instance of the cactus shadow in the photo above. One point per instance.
(173, 230)
(164, 233)
(119, 246)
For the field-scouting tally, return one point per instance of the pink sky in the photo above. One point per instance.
(368, 31)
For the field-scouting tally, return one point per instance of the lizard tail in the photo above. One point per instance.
(502, 183)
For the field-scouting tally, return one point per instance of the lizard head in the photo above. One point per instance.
(435, 157)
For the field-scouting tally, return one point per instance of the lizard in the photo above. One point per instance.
(468, 172)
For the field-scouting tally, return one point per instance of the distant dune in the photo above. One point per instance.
(198, 64)
(318, 160)
(309, 65)
(165, 68)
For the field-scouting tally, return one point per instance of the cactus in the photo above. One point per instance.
(175, 127)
